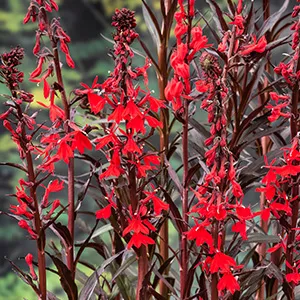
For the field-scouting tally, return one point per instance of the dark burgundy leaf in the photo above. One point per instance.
(67, 282)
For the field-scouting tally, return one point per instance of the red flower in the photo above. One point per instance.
(222, 262)
(29, 261)
(23, 224)
(201, 235)
(236, 189)
(256, 46)
(21, 209)
(64, 151)
(153, 122)
(286, 171)
(199, 41)
(136, 125)
(55, 205)
(55, 112)
(96, 102)
(241, 228)
(159, 205)
(244, 213)
(293, 277)
(114, 169)
(53, 186)
(229, 283)
(202, 86)
(104, 213)
(80, 141)
(131, 146)
(70, 61)
(117, 114)
(131, 111)
(173, 92)
(155, 104)
(139, 239)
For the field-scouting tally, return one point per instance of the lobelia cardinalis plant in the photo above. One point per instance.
(237, 120)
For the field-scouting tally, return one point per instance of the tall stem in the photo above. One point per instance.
(142, 252)
(214, 277)
(164, 134)
(41, 241)
(71, 168)
(183, 245)
(262, 248)
(295, 188)
(40, 232)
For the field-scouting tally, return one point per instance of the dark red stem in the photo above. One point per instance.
(71, 169)
(295, 187)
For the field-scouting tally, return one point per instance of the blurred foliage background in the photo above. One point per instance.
(84, 21)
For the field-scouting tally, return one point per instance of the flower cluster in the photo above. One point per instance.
(37, 11)
(277, 183)
(289, 70)
(220, 195)
(180, 85)
(215, 204)
(31, 214)
(124, 137)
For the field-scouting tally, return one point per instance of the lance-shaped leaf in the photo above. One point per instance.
(174, 176)
(152, 23)
(92, 282)
(218, 15)
(66, 280)
(272, 20)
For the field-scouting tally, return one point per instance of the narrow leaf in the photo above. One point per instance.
(66, 279)
(152, 23)
(127, 263)
(92, 281)
(174, 176)
(271, 21)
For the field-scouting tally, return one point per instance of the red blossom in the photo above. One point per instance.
(228, 283)
(293, 277)
(80, 142)
(29, 261)
(139, 239)
(256, 46)
(64, 151)
(23, 224)
(104, 213)
(222, 262)
(201, 235)
(55, 205)
(240, 227)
